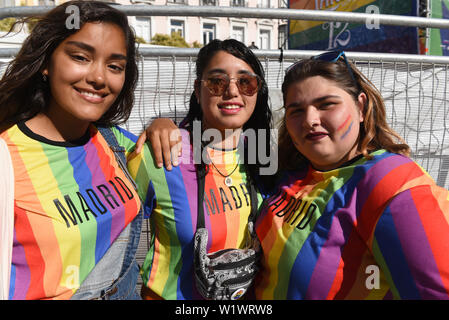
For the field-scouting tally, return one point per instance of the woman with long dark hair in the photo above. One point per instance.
(76, 212)
(204, 208)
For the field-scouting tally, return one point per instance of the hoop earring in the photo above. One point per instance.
(44, 78)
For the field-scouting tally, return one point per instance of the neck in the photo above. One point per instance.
(225, 140)
(48, 126)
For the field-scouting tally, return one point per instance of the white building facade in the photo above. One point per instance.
(263, 33)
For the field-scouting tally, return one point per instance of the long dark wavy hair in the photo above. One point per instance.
(261, 117)
(24, 93)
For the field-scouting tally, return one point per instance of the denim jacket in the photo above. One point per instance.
(114, 277)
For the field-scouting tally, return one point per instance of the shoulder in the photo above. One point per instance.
(387, 175)
(395, 169)
(124, 137)
(9, 132)
(123, 134)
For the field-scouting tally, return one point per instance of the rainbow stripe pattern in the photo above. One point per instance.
(71, 202)
(346, 126)
(349, 36)
(172, 201)
(372, 229)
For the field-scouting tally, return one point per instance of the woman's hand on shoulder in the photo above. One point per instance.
(165, 140)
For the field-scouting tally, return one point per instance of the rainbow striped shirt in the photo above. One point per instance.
(372, 229)
(172, 201)
(71, 202)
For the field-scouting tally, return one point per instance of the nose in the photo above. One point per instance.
(96, 76)
(232, 90)
(312, 117)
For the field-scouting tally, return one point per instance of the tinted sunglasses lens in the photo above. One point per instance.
(248, 84)
(217, 84)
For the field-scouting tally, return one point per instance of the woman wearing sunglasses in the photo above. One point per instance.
(355, 218)
(218, 188)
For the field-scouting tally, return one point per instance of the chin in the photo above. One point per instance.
(92, 116)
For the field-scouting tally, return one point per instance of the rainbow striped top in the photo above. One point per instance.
(172, 201)
(371, 229)
(71, 202)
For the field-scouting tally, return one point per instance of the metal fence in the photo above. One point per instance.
(414, 86)
(414, 92)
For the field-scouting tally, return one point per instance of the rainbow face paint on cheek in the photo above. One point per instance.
(345, 127)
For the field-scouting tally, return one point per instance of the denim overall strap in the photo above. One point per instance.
(118, 150)
(115, 275)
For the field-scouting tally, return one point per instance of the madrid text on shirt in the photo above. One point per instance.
(236, 197)
(93, 202)
(293, 210)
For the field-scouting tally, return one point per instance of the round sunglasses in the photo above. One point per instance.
(247, 83)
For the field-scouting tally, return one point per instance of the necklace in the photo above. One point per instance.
(228, 179)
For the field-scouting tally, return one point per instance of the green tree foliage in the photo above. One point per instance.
(140, 40)
(6, 24)
(26, 24)
(196, 44)
(173, 40)
(31, 22)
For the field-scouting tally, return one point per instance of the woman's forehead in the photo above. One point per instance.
(223, 61)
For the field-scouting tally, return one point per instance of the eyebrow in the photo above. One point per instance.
(85, 46)
(319, 99)
(218, 70)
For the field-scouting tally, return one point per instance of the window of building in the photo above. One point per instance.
(209, 2)
(238, 3)
(283, 36)
(264, 39)
(46, 2)
(177, 1)
(283, 3)
(208, 32)
(263, 3)
(177, 26)
(7, 3)
(143, 28)
(238, 33)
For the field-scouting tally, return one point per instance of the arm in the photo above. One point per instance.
(142, 169)
(411, 243)
(165, 139)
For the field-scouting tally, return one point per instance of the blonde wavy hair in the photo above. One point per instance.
(375, 133)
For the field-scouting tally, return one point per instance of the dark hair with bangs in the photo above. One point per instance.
(24, 93)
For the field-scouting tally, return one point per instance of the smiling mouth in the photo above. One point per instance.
(230, 107)
(91, 94)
